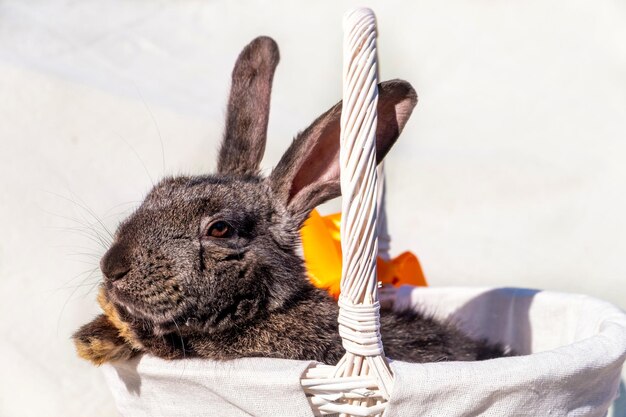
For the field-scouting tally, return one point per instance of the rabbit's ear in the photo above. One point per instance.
(308, 173)
(248, 108)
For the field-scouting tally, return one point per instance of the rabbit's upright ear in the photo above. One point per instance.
(308, 173)
(248, 108)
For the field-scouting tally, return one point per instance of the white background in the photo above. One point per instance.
(510, 173)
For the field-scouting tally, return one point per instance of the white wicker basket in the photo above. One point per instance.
(574, 349)
(575, 346)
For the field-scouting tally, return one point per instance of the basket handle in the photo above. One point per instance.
(361, 383)
(359, 323)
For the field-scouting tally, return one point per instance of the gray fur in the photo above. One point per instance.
(184, 293)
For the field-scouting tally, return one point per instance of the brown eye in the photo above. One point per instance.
(220, 229)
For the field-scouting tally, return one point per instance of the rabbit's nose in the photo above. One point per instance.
(115, 263)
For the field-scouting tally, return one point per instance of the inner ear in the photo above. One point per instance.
(321, 166)
(308, 173)
(393, 110)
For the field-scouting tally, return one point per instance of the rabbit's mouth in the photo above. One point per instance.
(157, 307)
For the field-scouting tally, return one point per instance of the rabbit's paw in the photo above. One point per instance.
(99, 341)
(123, 328)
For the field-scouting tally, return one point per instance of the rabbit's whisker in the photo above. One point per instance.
(82, 205)
(76, 288)
(156, 126)
(145, 168)
(182, 345)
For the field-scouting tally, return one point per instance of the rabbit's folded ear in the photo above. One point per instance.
(248, 108)
(308, 173)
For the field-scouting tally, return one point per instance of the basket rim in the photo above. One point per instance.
(613, 318)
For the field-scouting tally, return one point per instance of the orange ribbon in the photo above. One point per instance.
(321, 243)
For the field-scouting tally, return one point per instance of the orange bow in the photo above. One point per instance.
(321, 243)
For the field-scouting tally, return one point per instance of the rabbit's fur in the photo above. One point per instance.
(208, 266)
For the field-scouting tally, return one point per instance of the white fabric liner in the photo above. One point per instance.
(574, 348)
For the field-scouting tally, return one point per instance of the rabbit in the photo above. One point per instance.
(209, 266)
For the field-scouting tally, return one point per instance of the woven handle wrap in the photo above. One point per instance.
(360, 384)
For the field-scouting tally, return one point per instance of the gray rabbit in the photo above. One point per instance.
(208, 266)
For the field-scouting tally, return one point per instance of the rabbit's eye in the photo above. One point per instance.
(220, 229)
